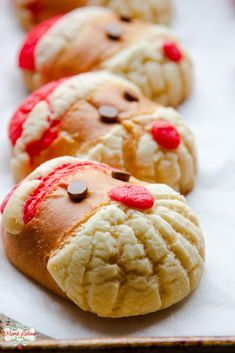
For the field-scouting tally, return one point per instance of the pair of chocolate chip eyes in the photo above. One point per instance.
(109, 114)
(77, 190)
(114, 31)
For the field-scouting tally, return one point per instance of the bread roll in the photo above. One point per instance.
(95, 38)
(113, 247)
(67, 117)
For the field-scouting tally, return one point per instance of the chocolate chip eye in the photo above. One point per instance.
(130, 96)
(77, 191)
(108, 114)
(114, 31)
(120, 175)
(125, 18)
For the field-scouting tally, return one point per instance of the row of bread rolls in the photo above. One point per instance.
(116, 245)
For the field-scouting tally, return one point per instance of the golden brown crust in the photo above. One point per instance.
(29, 81)
(55, 220)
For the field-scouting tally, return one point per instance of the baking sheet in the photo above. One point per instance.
(207, 29)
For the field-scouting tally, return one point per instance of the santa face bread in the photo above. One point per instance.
(115, 248)
(95, 38)
(31, 12)
(102, 117)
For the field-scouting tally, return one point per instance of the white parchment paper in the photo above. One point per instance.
(207, 28)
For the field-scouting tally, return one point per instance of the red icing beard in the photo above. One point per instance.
(47, 185)
(15, 129)
(26, 59)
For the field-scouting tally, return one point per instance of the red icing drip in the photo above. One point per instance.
(26, 56)
(7, 198)
(166, 135)
(35, 147)
(16, 124)
(49, 182)
(134, 196)
(172, 52)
